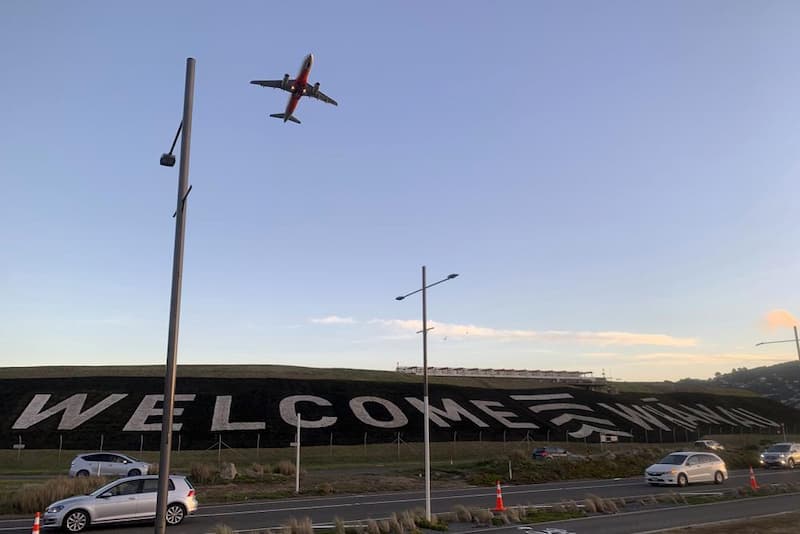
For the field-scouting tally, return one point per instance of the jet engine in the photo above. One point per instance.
(285, 81)
(316, 89)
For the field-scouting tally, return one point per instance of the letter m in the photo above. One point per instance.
(72, 407)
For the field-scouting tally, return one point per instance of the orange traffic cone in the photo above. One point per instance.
(35, 524)
(499, 502)
(753, 483)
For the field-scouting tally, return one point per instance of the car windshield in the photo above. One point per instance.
(673, 459)
(779, 448)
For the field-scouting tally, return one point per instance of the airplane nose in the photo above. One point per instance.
(310, 59)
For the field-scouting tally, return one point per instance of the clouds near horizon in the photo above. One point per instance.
(601, 338)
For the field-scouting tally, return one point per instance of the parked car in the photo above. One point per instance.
(125, 499)
(682, 468)
(549, 453)
(709, 444)
(781, 455)
(107, 464)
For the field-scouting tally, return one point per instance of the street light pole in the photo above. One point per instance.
(426, 415)
(175, 301)
(426, 408)
(796, 342)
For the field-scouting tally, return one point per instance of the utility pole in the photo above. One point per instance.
(175, 302)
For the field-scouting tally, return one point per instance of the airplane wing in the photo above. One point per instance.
(277, 84)
(319, 95)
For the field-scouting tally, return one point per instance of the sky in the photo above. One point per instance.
(613, 182)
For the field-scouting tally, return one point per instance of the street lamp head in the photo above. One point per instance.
(167, 160)
(399, 298)
(451, 276)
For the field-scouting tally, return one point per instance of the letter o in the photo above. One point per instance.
(398, 417)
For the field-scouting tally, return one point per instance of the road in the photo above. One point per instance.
(321, 510)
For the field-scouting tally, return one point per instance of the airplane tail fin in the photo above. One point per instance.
(285, 118)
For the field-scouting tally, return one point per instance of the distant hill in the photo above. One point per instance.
(779, 382)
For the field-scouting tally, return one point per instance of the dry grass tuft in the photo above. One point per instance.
(590, 505)
(462, 514)
(285, 467)
(326, 488)
(34, 498)
(482, 516)
(372, 527)
(202, 473)
(222, 529)
(338, 525)
(394, 525)
(596, 504)
(406, 519)
(295, 526)
(570, 506)
(513, 514)
(257, 470)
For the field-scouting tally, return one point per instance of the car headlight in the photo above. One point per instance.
(762, 454)
(54, 509)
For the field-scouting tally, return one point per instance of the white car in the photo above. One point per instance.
(709, 444)
(107, 464)
(682, 468)
(125, 499)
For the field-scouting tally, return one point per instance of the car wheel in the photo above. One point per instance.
(175, 514)
(790, 463)
(682, 480)
(76, 521)
(83, 473)
(134, 473)
(719, 478)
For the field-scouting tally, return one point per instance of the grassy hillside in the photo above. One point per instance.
(313, 373)
(779, 382)
(267, 371)
(655, 388)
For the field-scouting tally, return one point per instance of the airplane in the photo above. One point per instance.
(299, 87)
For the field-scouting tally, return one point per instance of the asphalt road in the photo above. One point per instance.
(264, 514)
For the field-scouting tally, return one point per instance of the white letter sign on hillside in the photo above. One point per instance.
(72, 407)
(138, 421)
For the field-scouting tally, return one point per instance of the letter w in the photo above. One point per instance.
(72, 407)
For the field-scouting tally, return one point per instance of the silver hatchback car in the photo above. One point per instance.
(105, 464)
(125, 499)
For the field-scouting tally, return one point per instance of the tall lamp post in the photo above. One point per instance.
(168, 160)
(426, 417)
(796, 342)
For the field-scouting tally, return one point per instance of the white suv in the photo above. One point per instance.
(781, 455)
(107, 464)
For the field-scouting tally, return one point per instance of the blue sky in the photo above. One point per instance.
(614, 183)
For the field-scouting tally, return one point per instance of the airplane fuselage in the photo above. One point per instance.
(298, 89)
